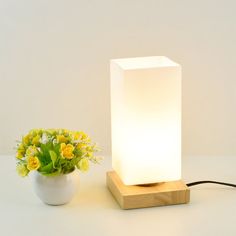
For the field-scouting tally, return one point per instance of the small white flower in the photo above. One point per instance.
(44, 138)
(55, 141)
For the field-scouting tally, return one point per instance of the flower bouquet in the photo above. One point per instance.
(54, 152)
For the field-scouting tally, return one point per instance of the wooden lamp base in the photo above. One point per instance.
(136, 196)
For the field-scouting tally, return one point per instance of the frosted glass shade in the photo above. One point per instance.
(146, 119)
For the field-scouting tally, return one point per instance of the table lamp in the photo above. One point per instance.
(146, 133)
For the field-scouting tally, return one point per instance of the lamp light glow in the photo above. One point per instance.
(146, 119)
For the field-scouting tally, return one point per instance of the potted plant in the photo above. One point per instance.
(53, 155)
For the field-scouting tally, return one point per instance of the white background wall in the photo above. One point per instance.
(54, 64)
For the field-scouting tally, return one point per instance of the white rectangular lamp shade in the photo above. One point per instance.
(146, 119)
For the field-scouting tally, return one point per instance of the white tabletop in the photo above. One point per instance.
(93, 211)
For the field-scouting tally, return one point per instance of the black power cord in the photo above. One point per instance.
(210, 182)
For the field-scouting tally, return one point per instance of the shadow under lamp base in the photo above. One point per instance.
(140, 196)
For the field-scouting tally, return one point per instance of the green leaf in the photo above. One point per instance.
(69, 170)
(55, 173)
(44, 153)
(83, 165)
(78, 152)
(53, 156)
(46, 169)
(57, 148)
(74, 161)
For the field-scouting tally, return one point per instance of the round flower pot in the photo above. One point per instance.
(55, 190)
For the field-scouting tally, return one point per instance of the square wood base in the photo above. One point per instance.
(136, 196)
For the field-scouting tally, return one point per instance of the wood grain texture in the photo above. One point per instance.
(161, 194)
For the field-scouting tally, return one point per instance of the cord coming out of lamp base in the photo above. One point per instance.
(136, 196)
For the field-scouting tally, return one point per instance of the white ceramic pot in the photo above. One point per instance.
(55, 190)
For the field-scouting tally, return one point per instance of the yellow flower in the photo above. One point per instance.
(21, 147)
(31, 151)
(75, 135)
(19, 155)
(33, 163)
(84, 136)
(90, 148)
(51, 131)
(66, 131)
(83, 164)
(63, 132)
(89, 154)
(35, 132)
(35, 140)
(67, 150)
(20, 151)
(81, 146)
(22, 170)
(26, 139)
(61, 139)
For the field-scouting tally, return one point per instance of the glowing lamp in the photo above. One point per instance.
(146, 131)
